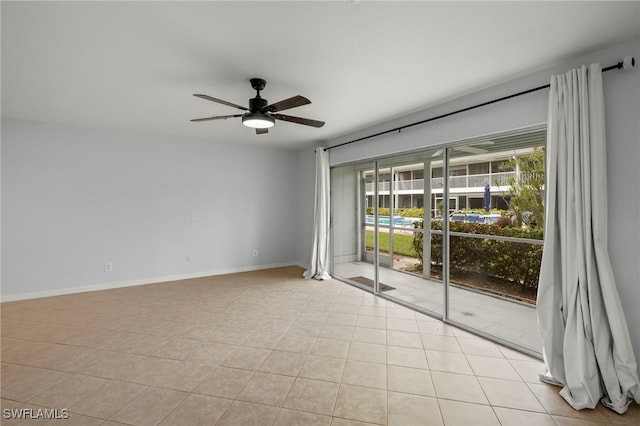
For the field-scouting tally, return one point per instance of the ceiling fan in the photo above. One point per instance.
(260, 115)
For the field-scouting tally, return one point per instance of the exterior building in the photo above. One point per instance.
(468, 177)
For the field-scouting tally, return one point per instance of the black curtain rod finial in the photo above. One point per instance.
(628, 63)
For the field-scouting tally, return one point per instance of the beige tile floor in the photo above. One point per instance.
(264, 348)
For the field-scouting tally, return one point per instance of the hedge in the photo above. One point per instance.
(412, 212)
(517, 262)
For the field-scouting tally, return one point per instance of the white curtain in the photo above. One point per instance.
(319, 266)
(586, 344)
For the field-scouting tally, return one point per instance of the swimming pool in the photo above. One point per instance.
(397, 220)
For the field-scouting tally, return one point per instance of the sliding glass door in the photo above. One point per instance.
(454, 232)
(352, 260)
(407, 212)
(495, 237)
(383, 211)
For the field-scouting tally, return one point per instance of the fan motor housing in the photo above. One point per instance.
(257, 104)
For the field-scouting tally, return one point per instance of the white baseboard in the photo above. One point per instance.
(131, 283)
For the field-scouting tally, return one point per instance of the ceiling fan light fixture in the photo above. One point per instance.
(258, 120)
(260, 115)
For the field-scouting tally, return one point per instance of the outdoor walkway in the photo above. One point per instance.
(509, 320)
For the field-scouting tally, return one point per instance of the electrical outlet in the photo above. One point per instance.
(255, 253)
(187, 259)
(108, 266)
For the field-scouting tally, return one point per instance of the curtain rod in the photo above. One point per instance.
(627, 63)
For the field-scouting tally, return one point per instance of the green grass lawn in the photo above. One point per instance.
(402, 244)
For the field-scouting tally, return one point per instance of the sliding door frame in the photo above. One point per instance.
(445, 236)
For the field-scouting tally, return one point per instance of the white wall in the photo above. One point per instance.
(622, 97)
(74, 198)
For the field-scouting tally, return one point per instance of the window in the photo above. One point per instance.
(458, 171)
(478, 168)
(404, 175)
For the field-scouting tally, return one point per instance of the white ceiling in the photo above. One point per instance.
(134, 65)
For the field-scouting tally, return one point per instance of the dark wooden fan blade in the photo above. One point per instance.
(261, 131)
(217, 117)
(292, 102)
(299, 120)
(220, 101)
